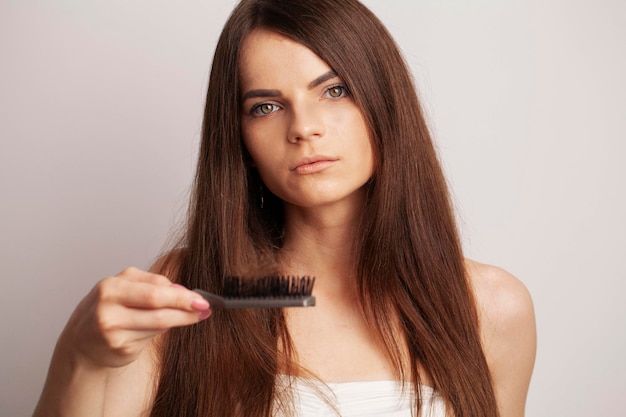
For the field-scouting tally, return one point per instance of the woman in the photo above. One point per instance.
(315, 160)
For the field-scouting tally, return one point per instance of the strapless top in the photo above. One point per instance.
(357, 399)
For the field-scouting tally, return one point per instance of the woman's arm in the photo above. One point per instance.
(508, 331)
(104, 363)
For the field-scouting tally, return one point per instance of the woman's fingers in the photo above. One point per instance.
(149, 296)
(149, 291)
(154, 321)
(115, 322)
(136, 274)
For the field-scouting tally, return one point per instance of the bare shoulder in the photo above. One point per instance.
(504, 305)
(501, 297)
(507, 323)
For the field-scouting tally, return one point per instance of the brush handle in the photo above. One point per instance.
(222, 303)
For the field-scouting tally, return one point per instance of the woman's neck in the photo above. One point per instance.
(320, 243)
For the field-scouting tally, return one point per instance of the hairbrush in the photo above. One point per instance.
(266, 292)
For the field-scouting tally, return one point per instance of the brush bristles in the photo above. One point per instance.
(270, 286)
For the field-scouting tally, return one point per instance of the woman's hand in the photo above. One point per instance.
(113, 327)
(121, 315)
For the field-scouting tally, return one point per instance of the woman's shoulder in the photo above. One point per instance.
(503, 302)
(507, 325)
(498, 293)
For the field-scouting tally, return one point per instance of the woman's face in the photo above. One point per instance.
(306, 136)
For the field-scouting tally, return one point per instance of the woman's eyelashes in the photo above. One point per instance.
(335, 91)
(263, 109)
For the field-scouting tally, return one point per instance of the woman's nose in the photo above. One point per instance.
(307, 122)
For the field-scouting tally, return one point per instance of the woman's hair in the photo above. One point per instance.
(408, 260)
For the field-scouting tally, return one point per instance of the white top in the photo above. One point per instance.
(358, 399)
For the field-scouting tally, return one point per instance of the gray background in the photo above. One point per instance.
(100, 112)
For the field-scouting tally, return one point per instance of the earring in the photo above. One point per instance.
(262, 200)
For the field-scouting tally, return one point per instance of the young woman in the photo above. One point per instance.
(315, 160)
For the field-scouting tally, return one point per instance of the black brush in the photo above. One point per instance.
(267, 292)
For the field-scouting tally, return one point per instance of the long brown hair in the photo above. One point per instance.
(409, 262)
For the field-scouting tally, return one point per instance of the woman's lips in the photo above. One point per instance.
(312, 165)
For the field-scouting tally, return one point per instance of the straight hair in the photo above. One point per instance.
(408, 259)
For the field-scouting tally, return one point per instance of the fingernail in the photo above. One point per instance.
(200, 304)
(178, 285)
(204, 314)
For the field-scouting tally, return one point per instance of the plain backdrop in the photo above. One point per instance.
(100, 114)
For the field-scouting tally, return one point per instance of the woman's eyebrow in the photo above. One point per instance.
(275, 93)
(260, 93)
(324, 77)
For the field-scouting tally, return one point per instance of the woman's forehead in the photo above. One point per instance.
(268, 58)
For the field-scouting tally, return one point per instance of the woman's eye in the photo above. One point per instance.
(264, 109)
(337, 91)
